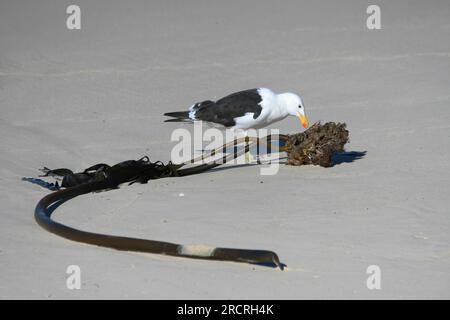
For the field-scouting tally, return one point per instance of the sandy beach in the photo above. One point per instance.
(74, 98)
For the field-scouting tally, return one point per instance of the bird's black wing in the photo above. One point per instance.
(235, 105)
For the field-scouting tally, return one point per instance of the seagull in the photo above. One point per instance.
(248, 109)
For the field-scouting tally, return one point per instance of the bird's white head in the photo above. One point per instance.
(293, 104)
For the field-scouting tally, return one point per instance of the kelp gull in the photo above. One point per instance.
(248, 109)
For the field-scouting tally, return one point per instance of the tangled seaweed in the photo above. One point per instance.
(314, 146)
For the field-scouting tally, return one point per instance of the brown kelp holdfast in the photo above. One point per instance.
(103, 177)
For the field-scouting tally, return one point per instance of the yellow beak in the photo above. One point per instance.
(304, 121)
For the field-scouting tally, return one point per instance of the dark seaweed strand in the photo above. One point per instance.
(49, 203)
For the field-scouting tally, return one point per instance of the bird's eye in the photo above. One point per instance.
(300, 106)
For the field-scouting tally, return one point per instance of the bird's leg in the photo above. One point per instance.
(235, 148)
(258, 150)
(258, 161)
(248, 155)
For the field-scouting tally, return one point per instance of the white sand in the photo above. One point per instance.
(76, 98)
